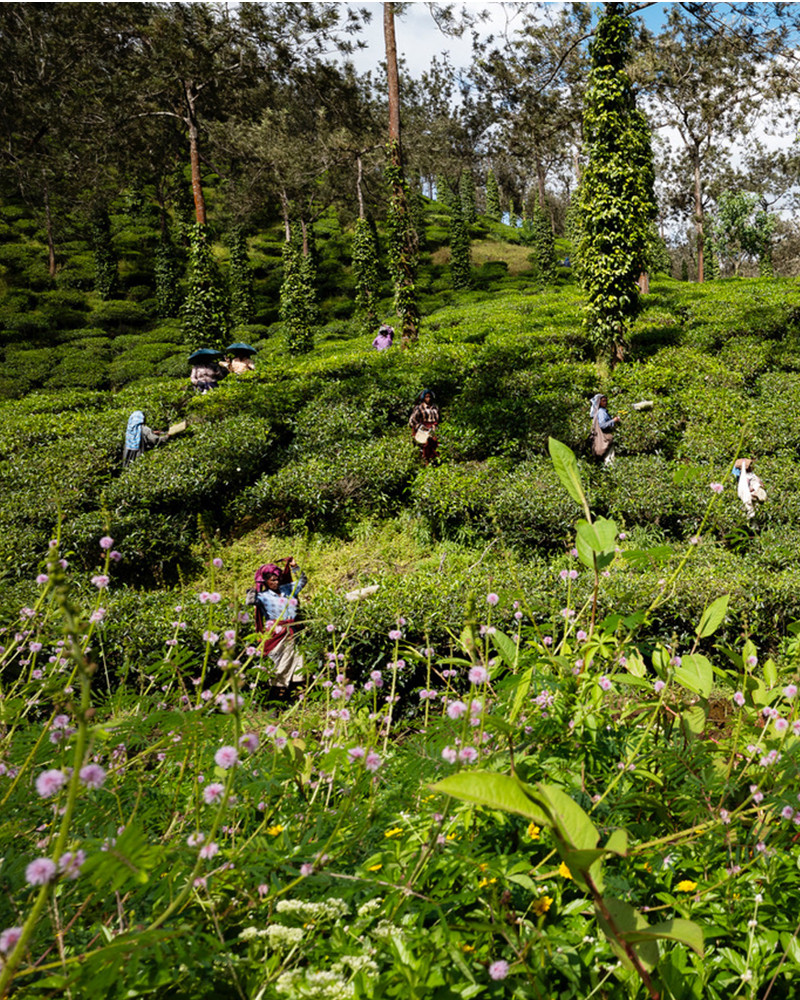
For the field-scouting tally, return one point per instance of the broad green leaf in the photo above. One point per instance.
(770, 673)
(521, 695)
(713, 616)
(588, 556)
(695, 674)
(497, 791)
(685, 931)
(507, 649)
(661, 658)
(601, 536)
(617, 843)
(566, 466)
(571, 824)
(623, 920)
(634, 664)
(693, 721)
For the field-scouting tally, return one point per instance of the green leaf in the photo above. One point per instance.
(566, 466)
(507, 649)
(693, 721)
(685, 931)
(627, 921)
(601, 537)
(617, 843)
(521, 695)
(713, 616)
(497, 791)
(770, 673)
(634, 664)
(695, 674)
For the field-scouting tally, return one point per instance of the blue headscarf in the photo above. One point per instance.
(133, 435)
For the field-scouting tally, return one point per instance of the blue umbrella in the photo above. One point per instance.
(205, 352)
(239, 346)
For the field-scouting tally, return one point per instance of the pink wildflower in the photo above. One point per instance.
(40, 872)
(372, 761)
(209, 850)
(92, 776)
(468, 754)
(739, 698)
(9, 938)
(49, 782)
(213, 792)
(226, 757)
(498, 969)
(450, 755)
(456, 709)
(478, 675)
(70, 863)
(249, 741)
(106, 542)
(100, 581)
(492, 599)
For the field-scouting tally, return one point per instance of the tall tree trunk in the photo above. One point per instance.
(393, 79)
(644, 283)
(698, 217)
(194, 157)
(359, 179)
(287, 228)
(540, 180)
(304, 229)
(48, 218)
(403, 244)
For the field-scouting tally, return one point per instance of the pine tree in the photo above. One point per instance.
(204, 317)
(493, 198)
(460, 265)
(543, 246)
(616, 192)
(240, 279)
(106, 274)
(167, 274)
(365, 273)
(466, 197)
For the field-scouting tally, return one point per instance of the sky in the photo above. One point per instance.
(418, 38)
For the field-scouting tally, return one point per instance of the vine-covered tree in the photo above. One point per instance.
(167, 273)
(298, 307)
(460, 263)
(204, 318)
(742, 231)
(106, 267)
(542, 244)
(402, 236)
(615, 197)
(466, 197)
(240, 279)
(365, 273)
(493, 209)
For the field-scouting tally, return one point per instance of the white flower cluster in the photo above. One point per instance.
(320, 985)
(305, 910)
(281, 936)
(371, 906)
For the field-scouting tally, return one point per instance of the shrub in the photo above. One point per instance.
(118, 315)
(81, 365)
(197, 473)
(365, 477)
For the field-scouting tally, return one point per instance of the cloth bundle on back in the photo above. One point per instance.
(749, 487)
(138, 437)
(274, 598)
(601, 437)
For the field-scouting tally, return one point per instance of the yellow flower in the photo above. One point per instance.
(533, 831)
(273, 831)
(686, 886)
(484, 867)
(563, 871)
(468, 947)
(374, 868)
(451, 836)
(542, 905)
(486, 881)
(394, 832)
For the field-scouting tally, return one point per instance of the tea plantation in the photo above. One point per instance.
(629, 829)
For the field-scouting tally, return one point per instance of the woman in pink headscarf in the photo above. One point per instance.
(275, 599)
